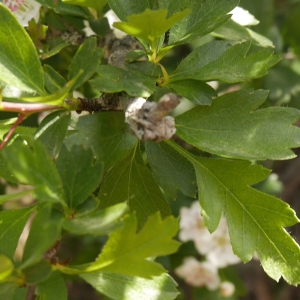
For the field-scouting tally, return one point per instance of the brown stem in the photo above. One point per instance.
(31, 293)
(20, 119)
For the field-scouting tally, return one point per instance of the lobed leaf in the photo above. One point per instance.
(106, 133)
(234, 127)
(126, 251)
(19, 62)
(122, 287)
(79, 173)
(215, 61)
(132, 182)
(150, 25)
(255, 219)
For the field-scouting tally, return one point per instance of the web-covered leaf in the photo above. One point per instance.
(233, 127)
(128, 251)
(256, 220)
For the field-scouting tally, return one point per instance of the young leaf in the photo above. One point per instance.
(132, 182)
(11, 226)
(255, 219)
(79, 173)
(205, 17)
(34, 166)
(87, 58)
(45, 229)
(98, 5)
(53, 80)
(19, 62)
(171, 170)
(111, 79)
(97, 223)
(126, 251)
(232, 127)
(196, 91)
(150, 25)
(106, 133)
(122, 287)
(231, 66)
(53, 130)
(45, 289)
(6, 267)
(124, 8)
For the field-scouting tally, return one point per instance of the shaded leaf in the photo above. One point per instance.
(7, 197)
(126, 251)
(255, 219)
(99, 4)
(53, 80)
(111, 79)
(80, 174)
(7, 290)
(53, 288)
(171, 170)
(214, 62)
(45, 229)
(150, 25)
(11, 226)
(106, 133)
(19, 62)
(132, 182)
(53, 130)
(122, 287)
(204, 17)
(234, 127)
(37, 273)
(196, 91)
(33, 166)
(97, 223)
(88, 59)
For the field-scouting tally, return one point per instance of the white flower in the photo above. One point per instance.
(24, 10)
(199, 274)
(243, 17)
(226, 289)
(216, 246)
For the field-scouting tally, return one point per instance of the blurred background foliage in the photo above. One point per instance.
(280, 22)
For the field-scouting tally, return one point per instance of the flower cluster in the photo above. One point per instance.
(24, 10)
(215, 247)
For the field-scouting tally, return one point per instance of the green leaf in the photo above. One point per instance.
(37, 273)
(53, 288)
(79, 173)
(7, 290)
(88, 59)
(106, 133)
(4, 198)
(124, 8)
(122, 287)
(6, 267)
(97, 223)
(196, 91)
(204, 18)
(132, 182)
(98, 4)
(171, 170)
(44, 233)
(12, 223)
(19, 62)
(100, 26)
(58, 98)
(65, 9)
(54, 82)
(235, 32)
(209, 62)
(234, 127)
(127, 252)
(53, 130)
(111, 79)
(255, 219)
(35, 167)
(150, 25)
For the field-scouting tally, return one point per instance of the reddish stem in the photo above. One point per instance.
(27, 107)
(20, 119)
